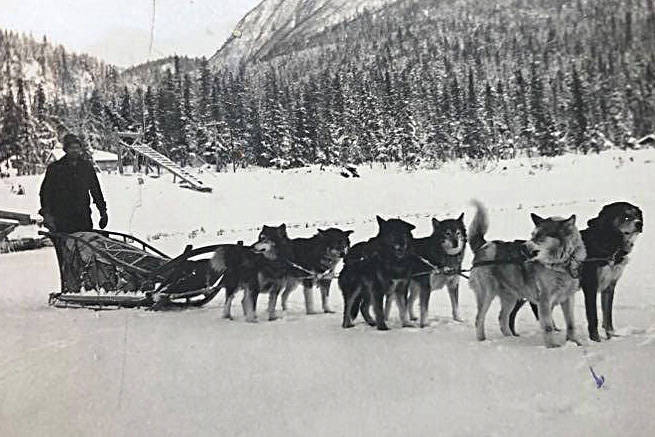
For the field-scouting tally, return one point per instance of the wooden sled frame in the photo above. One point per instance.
(120, 270)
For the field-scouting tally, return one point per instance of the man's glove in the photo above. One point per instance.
(103, 219)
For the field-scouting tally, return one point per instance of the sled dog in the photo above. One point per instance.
(375, 269)
(543, 270)
(260, 268)
(312, 262)
(440, 257)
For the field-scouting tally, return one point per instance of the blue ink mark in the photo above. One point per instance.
(598, 380)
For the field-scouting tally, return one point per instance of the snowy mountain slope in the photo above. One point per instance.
(273, 21)
(63, 75)
(132, 372)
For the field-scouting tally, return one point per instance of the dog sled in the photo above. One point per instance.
(103, 270)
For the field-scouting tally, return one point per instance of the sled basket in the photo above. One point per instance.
(102, 269)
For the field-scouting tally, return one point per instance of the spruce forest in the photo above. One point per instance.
(417, 82)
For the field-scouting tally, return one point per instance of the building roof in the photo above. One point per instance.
(98, 155)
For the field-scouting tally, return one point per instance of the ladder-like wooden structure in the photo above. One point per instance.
(160, 160)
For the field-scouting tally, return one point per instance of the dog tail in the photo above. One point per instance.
(479, 226)
(217, 265)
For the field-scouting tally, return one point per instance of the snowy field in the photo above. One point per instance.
(132, 372)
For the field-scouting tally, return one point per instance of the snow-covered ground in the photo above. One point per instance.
(132, 372)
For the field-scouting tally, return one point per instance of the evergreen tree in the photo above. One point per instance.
(204, 90)
(169, 118)
(473, 139)
(187, 137)
(40, 102)
(490, 112)
(151, 136)
(541, 120)
(125, 109)
(521, 107)
(10, 127)
(577, 116)
(628, 28)
(138, 109)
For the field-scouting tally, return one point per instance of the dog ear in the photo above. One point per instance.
(435, 224)
(381, 221)
(536, 219)
(348, 233)
(322, 231)
(601, 220)
(461, 218)
(594, 222)
(283, 229)
(570, 221)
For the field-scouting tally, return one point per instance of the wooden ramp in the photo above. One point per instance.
(161, 160)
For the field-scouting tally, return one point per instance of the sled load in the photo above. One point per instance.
(102, 269)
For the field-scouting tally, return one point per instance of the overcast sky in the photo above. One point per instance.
(118, 31)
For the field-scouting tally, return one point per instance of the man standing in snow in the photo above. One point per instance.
(65, 191)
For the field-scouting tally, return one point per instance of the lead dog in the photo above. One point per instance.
(543, 270)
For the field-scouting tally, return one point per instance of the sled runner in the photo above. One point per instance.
(102, 269)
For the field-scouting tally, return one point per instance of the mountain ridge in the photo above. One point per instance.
(272, 22)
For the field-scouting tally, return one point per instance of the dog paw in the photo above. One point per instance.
(609, 333)
(409, 325)
(252, 320)
(552, 345)
(372, 323)
(424, 324)
(549, 339)
(594, 336)
(459, 319)
(311, 313)
(328, 311)
(383, 327)
(413, 318)
(346, 325)
(574, 338)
